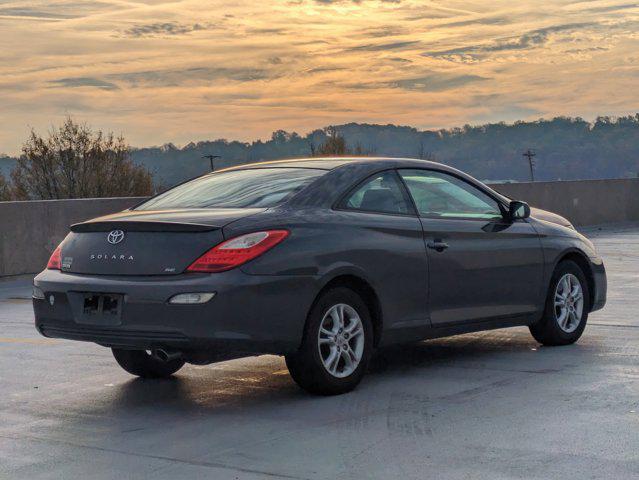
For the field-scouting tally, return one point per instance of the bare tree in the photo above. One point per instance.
(333, 146)
(430, 156)
(5, 190)
(76, 162)
(424, 154)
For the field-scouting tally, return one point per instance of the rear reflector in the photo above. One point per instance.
(237, 251)
(54, 260)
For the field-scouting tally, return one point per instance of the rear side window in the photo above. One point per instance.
(381, 193)
(258, 187)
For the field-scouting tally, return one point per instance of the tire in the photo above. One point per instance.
(548, 330)
(346, 358)
(143, 364)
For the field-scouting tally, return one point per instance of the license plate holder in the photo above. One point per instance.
(101, 308)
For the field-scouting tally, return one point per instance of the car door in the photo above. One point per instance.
(385, 237)
(482, 266)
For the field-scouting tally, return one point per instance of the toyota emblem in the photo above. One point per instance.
(114, 237)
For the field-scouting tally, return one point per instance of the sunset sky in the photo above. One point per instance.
(178, 71)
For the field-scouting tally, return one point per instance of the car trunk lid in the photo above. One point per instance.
(145, 242)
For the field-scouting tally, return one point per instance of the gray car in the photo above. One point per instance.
(319, 260)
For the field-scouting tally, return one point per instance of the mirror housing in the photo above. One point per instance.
(518, 210)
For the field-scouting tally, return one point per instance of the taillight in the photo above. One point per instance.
(237, 251)
(55, 260)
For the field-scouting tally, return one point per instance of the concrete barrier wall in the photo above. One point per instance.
(29, 231)
(583, 202)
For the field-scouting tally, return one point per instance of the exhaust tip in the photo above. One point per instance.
(167, 355)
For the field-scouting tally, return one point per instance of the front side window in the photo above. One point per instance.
(381, 193)
(258, 187)
(440, 195)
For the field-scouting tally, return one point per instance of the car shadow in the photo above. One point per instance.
(206, 388)
(461, 348)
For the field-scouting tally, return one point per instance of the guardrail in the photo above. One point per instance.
(29, 231)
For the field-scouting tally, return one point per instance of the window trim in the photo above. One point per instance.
(500, 204)
(340, 204)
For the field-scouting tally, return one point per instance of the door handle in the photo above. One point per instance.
(437, 245)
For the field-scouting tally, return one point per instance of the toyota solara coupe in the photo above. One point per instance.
(319, 260)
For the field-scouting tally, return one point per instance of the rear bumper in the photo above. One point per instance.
(249, 313)
(600, 283)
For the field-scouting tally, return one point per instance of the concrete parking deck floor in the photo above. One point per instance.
(483, 406)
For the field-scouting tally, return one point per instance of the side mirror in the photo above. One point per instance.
(518, 210)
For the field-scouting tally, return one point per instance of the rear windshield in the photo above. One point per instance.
(259, 187)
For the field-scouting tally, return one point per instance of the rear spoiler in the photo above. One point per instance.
(141, 226)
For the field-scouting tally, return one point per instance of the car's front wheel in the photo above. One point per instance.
(145, 364)
(337, 344)
(567, 307)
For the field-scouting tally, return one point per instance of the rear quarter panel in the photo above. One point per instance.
(387, 251)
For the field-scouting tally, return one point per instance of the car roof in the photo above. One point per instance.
(329, 163)
(342, 172)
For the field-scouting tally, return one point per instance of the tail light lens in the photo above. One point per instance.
(237, 251)
(55, 260)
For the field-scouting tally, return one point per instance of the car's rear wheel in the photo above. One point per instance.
(337, 344)
(567, 307)
(144, 364)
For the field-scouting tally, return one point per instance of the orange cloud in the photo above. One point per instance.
(187, 70)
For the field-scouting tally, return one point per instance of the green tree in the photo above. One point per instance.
(74, 161)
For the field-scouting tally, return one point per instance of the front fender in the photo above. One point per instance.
(559, 243)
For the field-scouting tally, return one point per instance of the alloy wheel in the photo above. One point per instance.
(569, 303)
(341, 340)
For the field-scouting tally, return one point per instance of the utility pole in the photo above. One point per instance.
(211, 158)
(530, 154)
